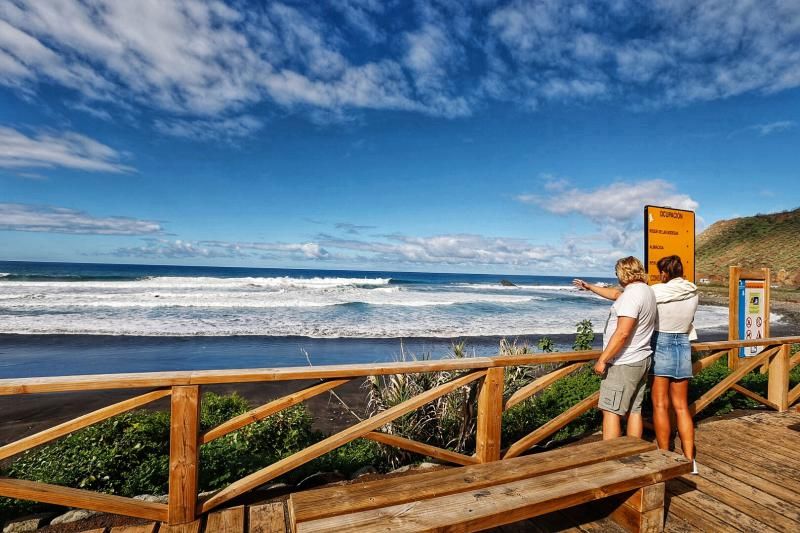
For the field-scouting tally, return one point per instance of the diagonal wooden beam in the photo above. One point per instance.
(708, 360)
(794, 395)
(540, 384)
(82, 499)
(334, 441)
(421, 448)
(268, 409)
(754, 396)
(744, 368)
(538, 435)
(47, 435)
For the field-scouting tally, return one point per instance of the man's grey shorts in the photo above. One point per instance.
(622, 388)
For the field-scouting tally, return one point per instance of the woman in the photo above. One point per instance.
(672, 355)
(626, 347)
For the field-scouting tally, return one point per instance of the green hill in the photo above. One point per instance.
(763, 240)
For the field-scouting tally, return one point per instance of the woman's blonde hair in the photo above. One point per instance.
(629, 269)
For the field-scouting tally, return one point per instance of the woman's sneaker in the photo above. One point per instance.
(694, 467)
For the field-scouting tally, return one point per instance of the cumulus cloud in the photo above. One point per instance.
(47, 149)
(192, 60)
(616, 208)
(50, 219)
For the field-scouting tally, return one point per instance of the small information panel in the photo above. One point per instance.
(668, 231)
(752, 314)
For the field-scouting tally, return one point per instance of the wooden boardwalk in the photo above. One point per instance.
(749, 481)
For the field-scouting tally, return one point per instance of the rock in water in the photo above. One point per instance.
(506, 283)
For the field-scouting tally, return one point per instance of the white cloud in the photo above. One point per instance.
(47, 149)
(616, 208)
(49, 219)
(206, 62)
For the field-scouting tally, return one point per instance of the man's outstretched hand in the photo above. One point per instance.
(579, 283)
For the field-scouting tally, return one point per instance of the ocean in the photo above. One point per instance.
(86, 318)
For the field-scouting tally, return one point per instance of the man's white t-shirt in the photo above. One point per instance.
(636, 301)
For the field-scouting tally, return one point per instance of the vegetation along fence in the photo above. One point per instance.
(186, 436)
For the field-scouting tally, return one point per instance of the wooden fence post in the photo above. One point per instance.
(778, 388)
(184, 430)
(490, 416)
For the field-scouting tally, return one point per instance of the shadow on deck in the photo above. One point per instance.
(749, 481)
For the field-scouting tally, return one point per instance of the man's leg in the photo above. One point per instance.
(612, 427)
(635, 425)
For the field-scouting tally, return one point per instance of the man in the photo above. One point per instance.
(626, 347)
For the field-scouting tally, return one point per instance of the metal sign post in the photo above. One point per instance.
(748, 309)
(668, 231)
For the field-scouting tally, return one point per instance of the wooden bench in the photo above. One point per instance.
(477, 497)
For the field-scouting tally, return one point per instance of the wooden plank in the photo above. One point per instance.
(702, 519)
(744, 503)
(541, 433)
(540, 384)
(144, 528)
(268, 409)
(750, 439)
(421, 448)
(226, 521)
(754, 396)
(776, 435)
(184, 427)
(749, 448)
(82, 499)
(735, 519)
(732, 468)
(330, 501)
(756, 464)
(778, 386)
(717, 390)
(267, 518)
(190, 527)
(511, 502)
(334, 441)
(676, 524)
(723, 345)
(75, 424)
(490, 416)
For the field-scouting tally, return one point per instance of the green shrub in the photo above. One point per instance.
(129, 454)
(584, 338)
(554, 400)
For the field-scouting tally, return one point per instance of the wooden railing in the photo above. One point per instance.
(186, 438)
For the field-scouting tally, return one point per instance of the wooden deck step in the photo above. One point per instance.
(226, 521)
(492, 506)
(191, 527)
(144, 528)
(321, 503)
(267, 518)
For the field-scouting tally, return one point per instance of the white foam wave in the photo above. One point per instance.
(167, 282)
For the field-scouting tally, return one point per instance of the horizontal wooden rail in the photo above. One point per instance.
(82, 499)
(725, 345)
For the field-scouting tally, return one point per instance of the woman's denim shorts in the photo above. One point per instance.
(672, 355)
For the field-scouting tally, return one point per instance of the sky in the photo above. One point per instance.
(451, 136)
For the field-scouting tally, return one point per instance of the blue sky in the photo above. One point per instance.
(483, 136)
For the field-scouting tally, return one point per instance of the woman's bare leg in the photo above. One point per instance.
(660, 393)
(679, 395)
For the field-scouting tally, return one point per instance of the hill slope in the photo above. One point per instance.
(763, 240)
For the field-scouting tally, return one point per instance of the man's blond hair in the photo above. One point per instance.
(629, 269)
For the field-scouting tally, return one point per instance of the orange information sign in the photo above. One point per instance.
(668, 231)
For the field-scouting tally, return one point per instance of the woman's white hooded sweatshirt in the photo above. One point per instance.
(677, 302)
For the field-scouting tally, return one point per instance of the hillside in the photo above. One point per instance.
(763, 240)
